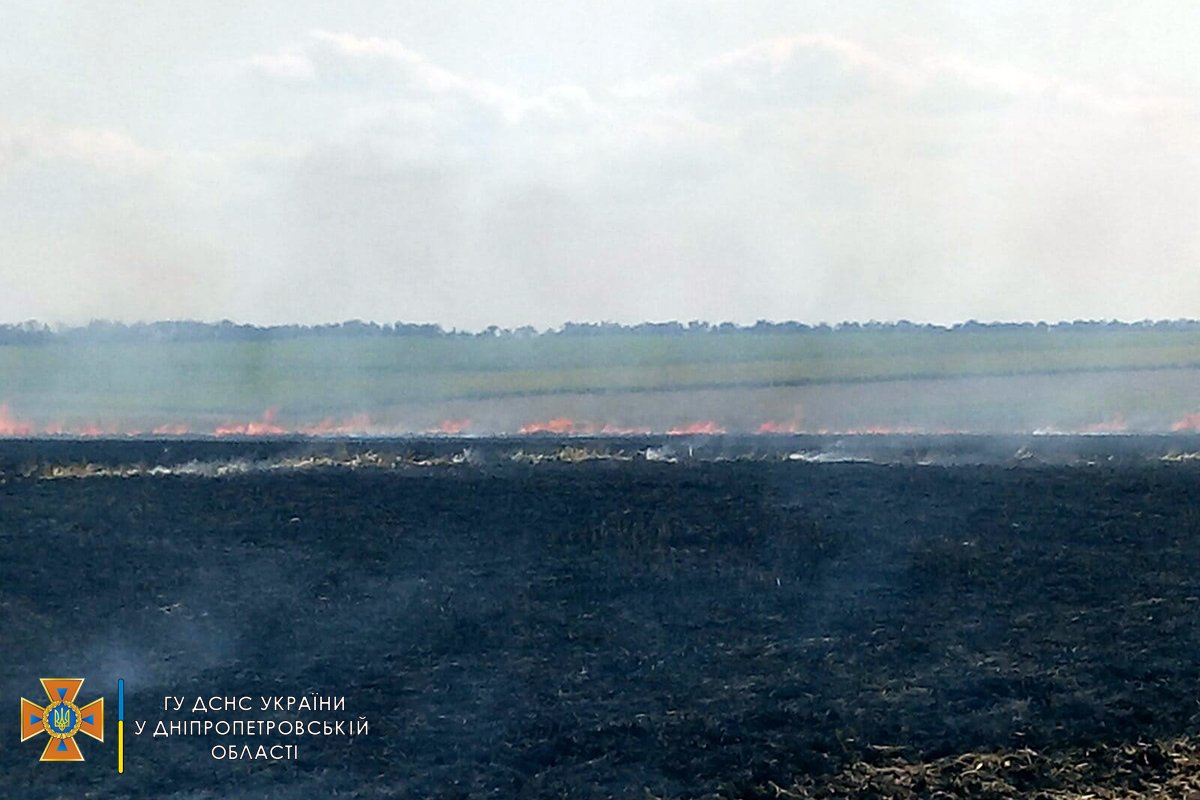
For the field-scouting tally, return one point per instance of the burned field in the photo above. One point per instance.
(612, 628)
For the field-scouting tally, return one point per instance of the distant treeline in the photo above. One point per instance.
(187, 331)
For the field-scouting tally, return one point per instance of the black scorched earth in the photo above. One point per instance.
(623, 618)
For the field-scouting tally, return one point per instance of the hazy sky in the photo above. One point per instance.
(471, 163)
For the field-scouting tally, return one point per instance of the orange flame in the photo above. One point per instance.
(355, 424)
(11, 426)
(95, 430)
(88, 430)
(560, 425)
(264, 427)
(451, 427)
(1189, 422)
(706, 428)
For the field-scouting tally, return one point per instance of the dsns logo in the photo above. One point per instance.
(62, 719)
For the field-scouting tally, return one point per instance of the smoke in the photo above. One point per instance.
(353, 401)
(798, 164)
(244, 459)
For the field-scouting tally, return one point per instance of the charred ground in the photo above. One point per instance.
(605, 628)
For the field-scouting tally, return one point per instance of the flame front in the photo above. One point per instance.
(560, 425)
(10, 426)
(706, 428)
(355, 425)
(1189, 422)
(264, 427)
(16, 425)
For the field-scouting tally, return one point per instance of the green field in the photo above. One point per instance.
(318, 375)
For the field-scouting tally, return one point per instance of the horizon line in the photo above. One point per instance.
(35, 326)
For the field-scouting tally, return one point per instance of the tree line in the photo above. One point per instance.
(33, 332)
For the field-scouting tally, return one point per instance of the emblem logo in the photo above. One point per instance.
(62, 719)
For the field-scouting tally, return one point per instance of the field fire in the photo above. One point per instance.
(272, 424)
(655, 401)
(877, 616)
(673, 579)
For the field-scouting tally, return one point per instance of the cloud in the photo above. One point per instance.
(108, 151)
(802, 176)
(795, 71)
(412, 71)
(288, 64)
(366, 67)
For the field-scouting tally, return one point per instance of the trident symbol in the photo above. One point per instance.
(62, 719)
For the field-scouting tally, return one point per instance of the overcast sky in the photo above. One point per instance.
(534, 162)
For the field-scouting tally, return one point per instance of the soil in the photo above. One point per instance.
(614, 628)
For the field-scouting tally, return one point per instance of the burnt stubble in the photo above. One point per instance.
(607, 629)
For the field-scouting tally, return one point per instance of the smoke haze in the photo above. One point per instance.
(532, 164)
